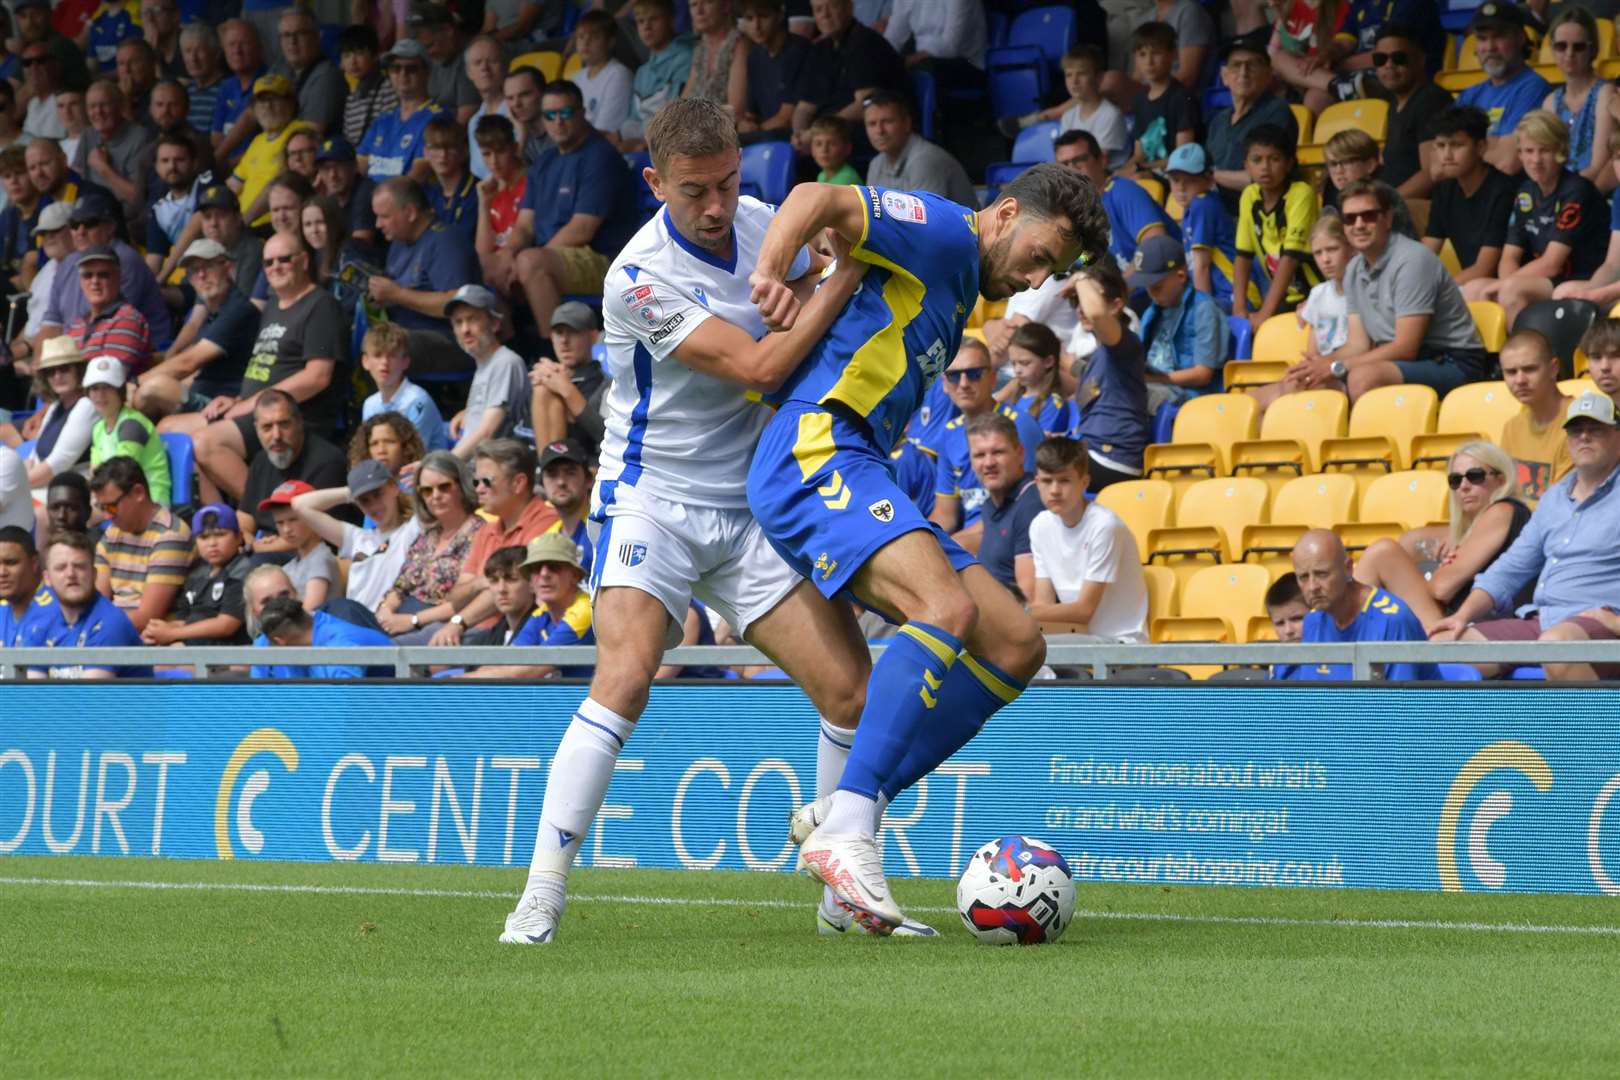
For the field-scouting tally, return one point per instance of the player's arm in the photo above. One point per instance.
(727, 352)
(804, 214)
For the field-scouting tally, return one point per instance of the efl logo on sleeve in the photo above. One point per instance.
(643, 304)
(903, 207)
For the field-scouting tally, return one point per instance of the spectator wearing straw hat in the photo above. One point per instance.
(562, 614)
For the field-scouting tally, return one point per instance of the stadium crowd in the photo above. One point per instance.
(302, 345)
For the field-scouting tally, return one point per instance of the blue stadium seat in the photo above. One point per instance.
(998, 176)
(926, 96)
(1014, 91)
(645, 199)
(182, 459)
(1034, 144)
(25, 448)
(1528, 673)
(1050, 29)
(1460, 673)
(1242, 337)
(996, 28)
(600, 355)
(1164, 421)
(769, 167)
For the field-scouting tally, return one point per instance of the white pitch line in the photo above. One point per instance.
(673, 901)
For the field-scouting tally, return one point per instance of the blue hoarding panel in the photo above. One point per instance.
(1480, 789)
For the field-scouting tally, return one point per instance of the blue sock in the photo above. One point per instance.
(901, 701)
(974, 691)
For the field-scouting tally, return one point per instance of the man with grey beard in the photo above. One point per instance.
(289, 452)
(1510, 89)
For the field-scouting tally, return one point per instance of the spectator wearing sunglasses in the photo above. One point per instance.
(959, 496)
(1414, 99)
(1584, 102)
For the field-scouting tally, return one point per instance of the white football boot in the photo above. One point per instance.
(852, 867)
(533, 923)
(807, 819)
(835, 922)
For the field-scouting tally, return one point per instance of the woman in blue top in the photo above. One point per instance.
(1583, 102)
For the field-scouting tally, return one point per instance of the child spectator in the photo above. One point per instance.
(662, 76)
(1285, 607)
(209, 609)
(1086, 109)
(830, 147)
(386, 359)
(1559, 227)
(1207, 230)
(603, 81)
(1534, 436)
(312, 570)
(1603, 287)
(391, 440)
(375, 554)
(370, 92)
(500, 197)
(1088, 573)
(452, 191)
(1183, 329)
(1112, 396)
(497, 400)
(121, 431)
(1326, 311)
(1472, 199)
(1164, 114)
(1582, 101)
(1353, 155)
(1274, 222)
(512, 594)
(1602, 348)
(1035, 353)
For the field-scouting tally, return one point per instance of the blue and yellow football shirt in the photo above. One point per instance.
(904, 324)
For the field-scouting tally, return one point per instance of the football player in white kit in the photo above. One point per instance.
(686, 344)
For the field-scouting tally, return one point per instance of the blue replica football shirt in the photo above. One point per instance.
(1382, 618)
(928, 425)
(954, 474)
(11, 627)
(392, 143)
(1207, 225)
(914, 472)
(101, 624)
(1054, 414)
(438, 261)
(574, 628)
(1507, 104)
(1131, 212)
(456, 210)
(329, 632)
(903, 326)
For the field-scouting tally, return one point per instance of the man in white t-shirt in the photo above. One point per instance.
(1088, 574)
(1050, 304)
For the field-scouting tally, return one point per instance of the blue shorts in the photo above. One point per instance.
(827, 498)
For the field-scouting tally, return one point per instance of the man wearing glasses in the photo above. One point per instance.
(394, 143)
(213, 347)
(579, 208)
(959, 496)
(1246, 74)
(1414, 100)
(110, 326)
(143, 557)
(93, 227)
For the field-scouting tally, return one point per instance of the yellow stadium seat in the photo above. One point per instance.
(1609, 69)
(1577, 387)
(1291, 435)
(547, 62)
(1280, 337)
(1475, 411)
(1161, 590)
(1209, 524)
(1448, 258)
(1363, 114)
(1413, 499)
(1382, 426)
(1458, 81)
(1305, 120)
(1605, 49)
(985, 310)
(573, 65)
(1305, 502)
(1358, 536)
(1144, 505)
(1173, 207)
(1153, 187)
(1491, 322)
(1238, 374)
(1583, 363)
(1234, 592)
(1551, 72)
(1201, 442)
(1467, 58)
(1260, 628)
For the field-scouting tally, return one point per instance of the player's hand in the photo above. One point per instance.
(778, 307)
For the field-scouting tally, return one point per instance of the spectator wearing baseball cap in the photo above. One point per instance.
(110, 325)
(1207, 229)
(312, 570)
(213, 347)
(122, 431)
(275, 109)
(94, 225)
(338, 175)
(55, 243)
(219, 218)
(562, 614)
(376, 553)
(434, 28)
(565, 477)
(393, 143)
(1183, 330)
(498, 399)
(1246, 74)
(1501, 33)
(566, 398)
(208, 609)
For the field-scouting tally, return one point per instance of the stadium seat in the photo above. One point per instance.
(1383, 424)
(1358, 536)
(1577, 387)
(1475, 411)
(1153, 187)
(1034, 143)
(182, 460)
(546, 61)
(1291, 436)
(1305, 121)
(768, 166)
(1163, 427)
(1563, 323)
(1260, 628)
(1144, 505)
(1305, 502)
(1205, 429)
(1491, 322)
(1458, 81)
(1161, 590)
(1240, 373)
(1052, 30)
(1014, 91)
(1412, 499)
(646, 201)
(571, 65)
(1280, 337)
(925, 95)
(1448, 258)
(1235, 592)
(1242, 334)
(1364, 114)
(1209, 524)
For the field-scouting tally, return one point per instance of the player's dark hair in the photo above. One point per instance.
(1285, 590)
(1086, 138)
(1461, 120)
(690, 127)
(993, 423)
(13, 534)
(505, 562)
(1059, 452)
(1154, 35)
(122, 472)
(1051, 192)
(73, 538)
(564, 88)
(1271, 137)
(282, 614)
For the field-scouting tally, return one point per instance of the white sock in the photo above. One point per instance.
(851, 814)
(832, 750)
(576, 784)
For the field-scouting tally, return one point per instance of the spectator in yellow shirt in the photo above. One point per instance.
(1534, 436)
(275, 108)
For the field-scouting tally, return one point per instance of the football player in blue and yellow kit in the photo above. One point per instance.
(823, 488)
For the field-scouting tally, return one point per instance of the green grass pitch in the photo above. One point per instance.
(134, 967)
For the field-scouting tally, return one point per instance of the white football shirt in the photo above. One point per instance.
(1099, 548)
(672, 431)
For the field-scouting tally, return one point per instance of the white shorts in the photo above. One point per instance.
(673, 552)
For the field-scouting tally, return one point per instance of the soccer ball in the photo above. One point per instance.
(1016, 891)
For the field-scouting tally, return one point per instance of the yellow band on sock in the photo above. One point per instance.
(946, 654)
(997, 686)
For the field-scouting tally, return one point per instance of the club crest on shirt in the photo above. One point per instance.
(903, 207)
(218, 591)
(643, 304)
(1524, 202)
(883, 510)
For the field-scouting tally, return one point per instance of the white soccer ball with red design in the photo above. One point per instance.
(1016, 891)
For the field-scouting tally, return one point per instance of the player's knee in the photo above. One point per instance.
(1026, 643)
(953, 611)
